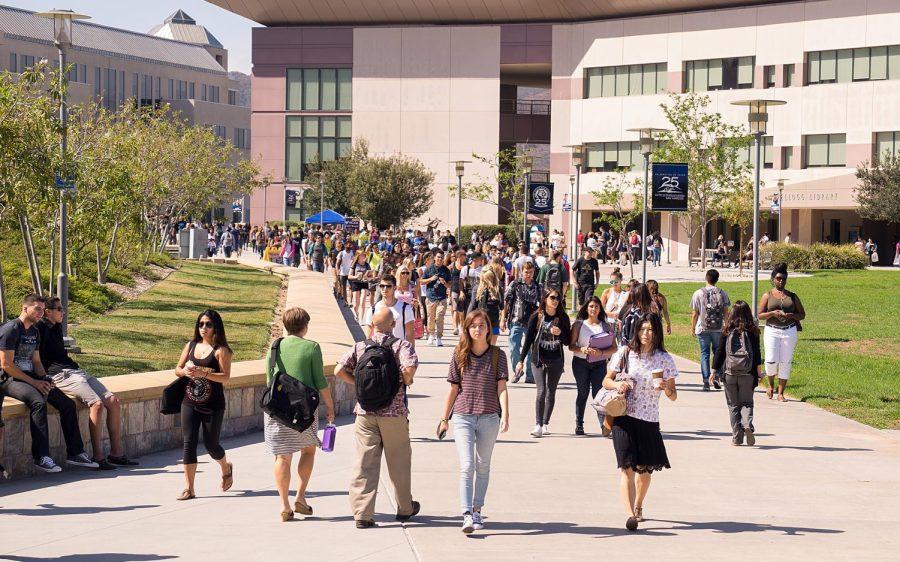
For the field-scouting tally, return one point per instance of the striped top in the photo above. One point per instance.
(478, 394)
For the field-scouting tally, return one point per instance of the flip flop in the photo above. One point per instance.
(186, 495)
(228, 479)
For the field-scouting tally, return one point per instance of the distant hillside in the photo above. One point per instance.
(242, 86)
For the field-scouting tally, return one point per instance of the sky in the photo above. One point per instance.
(231, 29)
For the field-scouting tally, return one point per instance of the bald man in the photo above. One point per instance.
(384, 430)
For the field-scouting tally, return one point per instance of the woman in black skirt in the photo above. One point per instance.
(641, 370)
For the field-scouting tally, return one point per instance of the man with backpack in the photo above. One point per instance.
(404, 318)
(553, 274)
(709, 309)
(381, 368)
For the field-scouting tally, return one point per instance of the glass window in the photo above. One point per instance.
(878, 63)
(886, 143)
(768, 152)
(635, 79)
(171, 88)
(329, 89)
(715, 74)
(307, 137)
(828, 66)
(594, 158)
(788, 78)
(814, 66)
(745, 71)
(893, 62)
(648, 85)
(826, 150)
(787, 157)
(593, 82)
(294, 88)
(621, 80)
(837, 155)
(609, 81)
(861, 59)
(769, 76)
(845, 65)
(13, 67)
(311, 88)
(293, 159)
(661, 77)
(293, 127)
(134, 85)
(345, 89)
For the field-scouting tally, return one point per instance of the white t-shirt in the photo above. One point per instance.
(402, 313)
(540, 261)
(345, 259)
(521, 261)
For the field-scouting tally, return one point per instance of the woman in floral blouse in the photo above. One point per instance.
(636, 437)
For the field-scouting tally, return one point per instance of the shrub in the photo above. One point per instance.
(91, 296)
(488, 231)
(814, 256)
(162, 260)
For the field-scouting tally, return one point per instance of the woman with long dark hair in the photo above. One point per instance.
(547, 332)
(739, 357)
(639, 302)
(592, 342)
(782, 311)
(660, 303)
(640, 370)
(206, 361)
(480, 410)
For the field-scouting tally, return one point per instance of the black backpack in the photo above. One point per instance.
(287, 399)
(554, 277)
(629, 325)
(377, 375)
(714, 309)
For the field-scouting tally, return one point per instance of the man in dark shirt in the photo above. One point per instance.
(437, 280)
(70, 378)
(25, 379)
(587, 273)
(317, 252)
(522, 299)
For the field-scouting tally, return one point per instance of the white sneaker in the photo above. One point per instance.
(47, 465)
(81, 460)
(537, 431)
(430, 340)
(477, 521)
(439, 343)
(468, 523)
(546, 429)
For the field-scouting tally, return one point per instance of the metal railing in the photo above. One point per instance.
(525, 107)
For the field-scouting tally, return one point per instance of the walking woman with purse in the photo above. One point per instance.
(547, 332)
(479, 404)
(301, 359)
(206, 362)
(782, 311)
(739, 358)
(489, 298)
(592, 342)
(641, 370)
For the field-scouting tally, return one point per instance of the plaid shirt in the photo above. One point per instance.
(406, 357)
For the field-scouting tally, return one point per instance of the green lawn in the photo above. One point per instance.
(848, 357)
(148, 333)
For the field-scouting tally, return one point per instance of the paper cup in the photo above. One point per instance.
(657, 377)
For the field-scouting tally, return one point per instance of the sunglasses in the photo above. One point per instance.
(386, 286)
(202, 325)
(553, 298)
(404, 273)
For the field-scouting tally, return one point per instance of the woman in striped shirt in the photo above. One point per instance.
(480, 407)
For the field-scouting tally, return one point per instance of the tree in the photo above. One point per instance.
(878, 192)
(504, 186)
(711, 148)
(737, 210)
(614, 195)
(338, 193)
(390, 190)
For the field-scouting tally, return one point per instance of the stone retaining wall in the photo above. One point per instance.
(145, 430)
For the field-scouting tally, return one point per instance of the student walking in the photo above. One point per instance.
(586, 272)
(592, 342)
(23, 377)
(206, 362)
(783, 312)
(489, 298)
(436, 279)
(478, 401)
(360, 275)
(614, 296)
(709, 308)
(548, 330)
(300, 358)
(381, 368)
(739, 359)
(640, 370)
(522, 300)
(660, 304)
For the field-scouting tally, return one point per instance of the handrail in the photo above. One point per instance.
(525, 107)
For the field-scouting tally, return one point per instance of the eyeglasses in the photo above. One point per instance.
(553, 298)
(202, 325)
(404, 273)
(386, 286)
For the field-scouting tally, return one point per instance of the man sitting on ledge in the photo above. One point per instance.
(71, 379)
(23, 377)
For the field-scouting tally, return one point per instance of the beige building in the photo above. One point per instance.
(179, 62)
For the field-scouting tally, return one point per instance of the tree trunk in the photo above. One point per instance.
(703, 238)
(690, 233)
(112, 248)
(29, 255)
(2, 296)
(741, 251)
(52, 262)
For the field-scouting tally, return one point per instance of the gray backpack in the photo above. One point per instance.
(738, 358)
(713, 309)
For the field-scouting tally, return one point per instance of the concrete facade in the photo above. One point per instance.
(433, 93)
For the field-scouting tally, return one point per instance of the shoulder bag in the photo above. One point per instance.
(609, 401)
(287, 399)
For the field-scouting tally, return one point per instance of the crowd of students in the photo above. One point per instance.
(400, 287)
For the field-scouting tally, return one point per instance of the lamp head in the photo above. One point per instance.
(758, 115)
(527, 162)
(646, 136)
(62, 25)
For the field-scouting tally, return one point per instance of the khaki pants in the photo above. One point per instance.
(375, 434)
(436, 312)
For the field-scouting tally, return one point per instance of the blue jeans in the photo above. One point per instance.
(475, 436)
(709, 343)
(657, 254)
(516, 335)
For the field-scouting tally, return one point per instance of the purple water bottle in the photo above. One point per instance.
(328, 436)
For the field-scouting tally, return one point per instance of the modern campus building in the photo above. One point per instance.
(440, 81)
(178, 62)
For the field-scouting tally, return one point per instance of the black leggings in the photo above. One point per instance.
(546, 378)
(422, 303)
(191, 421)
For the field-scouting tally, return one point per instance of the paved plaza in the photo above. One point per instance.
(817, 486)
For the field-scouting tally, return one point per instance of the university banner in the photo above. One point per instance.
(670, 187)
(540, 198)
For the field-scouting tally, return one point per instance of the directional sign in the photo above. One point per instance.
(61, 183)
(670, 187)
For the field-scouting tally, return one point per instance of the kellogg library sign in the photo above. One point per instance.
(838, 197)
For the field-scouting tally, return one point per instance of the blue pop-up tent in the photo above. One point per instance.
(326, 217)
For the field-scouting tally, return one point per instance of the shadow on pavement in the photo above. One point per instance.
(519, 528)
(53, 509)
(741, 527)
(814, 448)
(268, 493)
(95, 557)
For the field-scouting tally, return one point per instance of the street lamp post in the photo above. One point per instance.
(62, 38)
(780, 207)
(758, 116)
(527, 163)
(577, 161)
(646, 135)
(460, 170)
(322, 201)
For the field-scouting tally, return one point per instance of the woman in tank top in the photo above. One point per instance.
(782, 311)
(206, 361)
(592, 342)
(613, 298)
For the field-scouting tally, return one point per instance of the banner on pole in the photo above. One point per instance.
(670, 187)
(540, 198)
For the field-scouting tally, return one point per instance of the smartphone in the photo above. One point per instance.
(442, 434)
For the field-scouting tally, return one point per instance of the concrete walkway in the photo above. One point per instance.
(817, 486)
